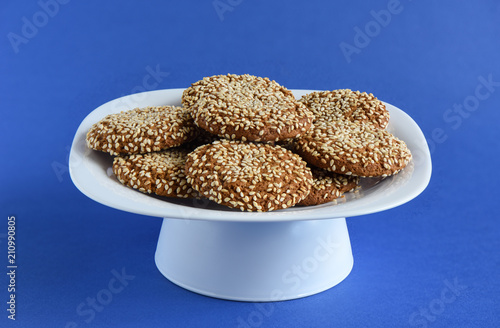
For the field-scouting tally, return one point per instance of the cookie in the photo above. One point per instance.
(347, 105)
(328, 186)
(248, 176)
(353, 149)
(160, 173)
(142, 130)
(246, 107)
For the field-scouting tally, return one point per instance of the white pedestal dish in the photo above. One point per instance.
(224, 253)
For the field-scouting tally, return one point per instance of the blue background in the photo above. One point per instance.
(60, 61)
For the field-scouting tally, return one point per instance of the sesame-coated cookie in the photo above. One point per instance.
(345, 104)
(246, 107)
(160, 173)
(328, 186)
(357, 149)
(142, 130)
(248, 176)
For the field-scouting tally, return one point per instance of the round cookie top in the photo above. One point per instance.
(357, 149)
(160, 173)
(328, 186)
(345, 104)
(246, 107)
(142, 130)
(248, 176)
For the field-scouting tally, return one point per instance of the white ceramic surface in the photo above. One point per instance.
(225, 253)
(254, 261)
(91, 173)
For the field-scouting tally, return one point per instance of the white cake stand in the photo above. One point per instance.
(224, 253)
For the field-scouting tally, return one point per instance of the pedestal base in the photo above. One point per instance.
(254, 261)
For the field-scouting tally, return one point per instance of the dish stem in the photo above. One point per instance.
(254, 261)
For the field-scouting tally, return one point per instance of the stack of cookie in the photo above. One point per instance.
(247, 143)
